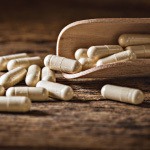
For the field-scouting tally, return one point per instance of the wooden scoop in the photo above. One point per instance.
(86, 33)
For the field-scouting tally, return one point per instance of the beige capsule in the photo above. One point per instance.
(33, 75)
(24, 62)
(2, 90)
(121, 56)
(141, 51)
(5, 59)
(81, 53)
(57, 90)
(48, 75)
(87, 63)
(62, 64)
(97, 52)
(133, 39)
(15, 104)
(34, 93)
(122, 94)
(13, 77)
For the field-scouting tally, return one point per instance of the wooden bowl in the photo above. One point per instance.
(86, 33)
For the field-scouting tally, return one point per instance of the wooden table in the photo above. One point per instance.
(86, 122)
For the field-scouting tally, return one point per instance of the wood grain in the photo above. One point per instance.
(86, 122)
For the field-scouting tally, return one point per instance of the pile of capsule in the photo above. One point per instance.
(40, 77)
(131, 47)
(40, 81)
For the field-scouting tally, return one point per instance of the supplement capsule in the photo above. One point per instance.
(86, 63)
(15, 104)
(62, 64)
(122, 94)
(97, 52)
(34, 93)
(24, 62)
(12, 77)
(2, 90)
(81, 53)
(48, 75)
(133, 39)
(141, 51)
(121, 56)
(57, 90)
(5, 59)
(33, 75)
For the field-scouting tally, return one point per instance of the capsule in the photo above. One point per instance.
(133, 39)
(2, 90)
(48, 75)
(121, 56)
(5, 59)
(122, 94)
(24, 62)
(15, 104)
(81, 53)
(86, 63)
(12, 77)
(62, 64)
(141, 51)
(34, 93)
(97, 52)
(33, 75)
(57, 90)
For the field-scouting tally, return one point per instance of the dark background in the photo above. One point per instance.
(66, 11)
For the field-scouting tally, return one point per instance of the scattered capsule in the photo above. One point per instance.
(81, 53)
(121, 56)
(62, 64)
(12, 77)
(133, 39)
(24, 62)
(15, 104)
(141, 51)
(86, 63)
(5, 59)
(2, 90)
(97, 52)
(57, 90)
(48, 75)
(122, 94)
(33, 75)
(34, 93)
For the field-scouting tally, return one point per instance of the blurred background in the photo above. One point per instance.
(42, 20)
(66, 11)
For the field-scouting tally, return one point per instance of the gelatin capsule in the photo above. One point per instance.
(81, 53)
(24, 62)
(133, 39)
(34, 93)
(62, 64)
(33, 75)
(121, 56)
(15, 104)
(122, 94)
(97, 52)
(12, 77)
(57, 90)
(141, 51)
(86, 63)
(48, 75)
(5, 59)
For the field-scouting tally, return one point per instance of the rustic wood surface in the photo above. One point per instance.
(86, 122)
